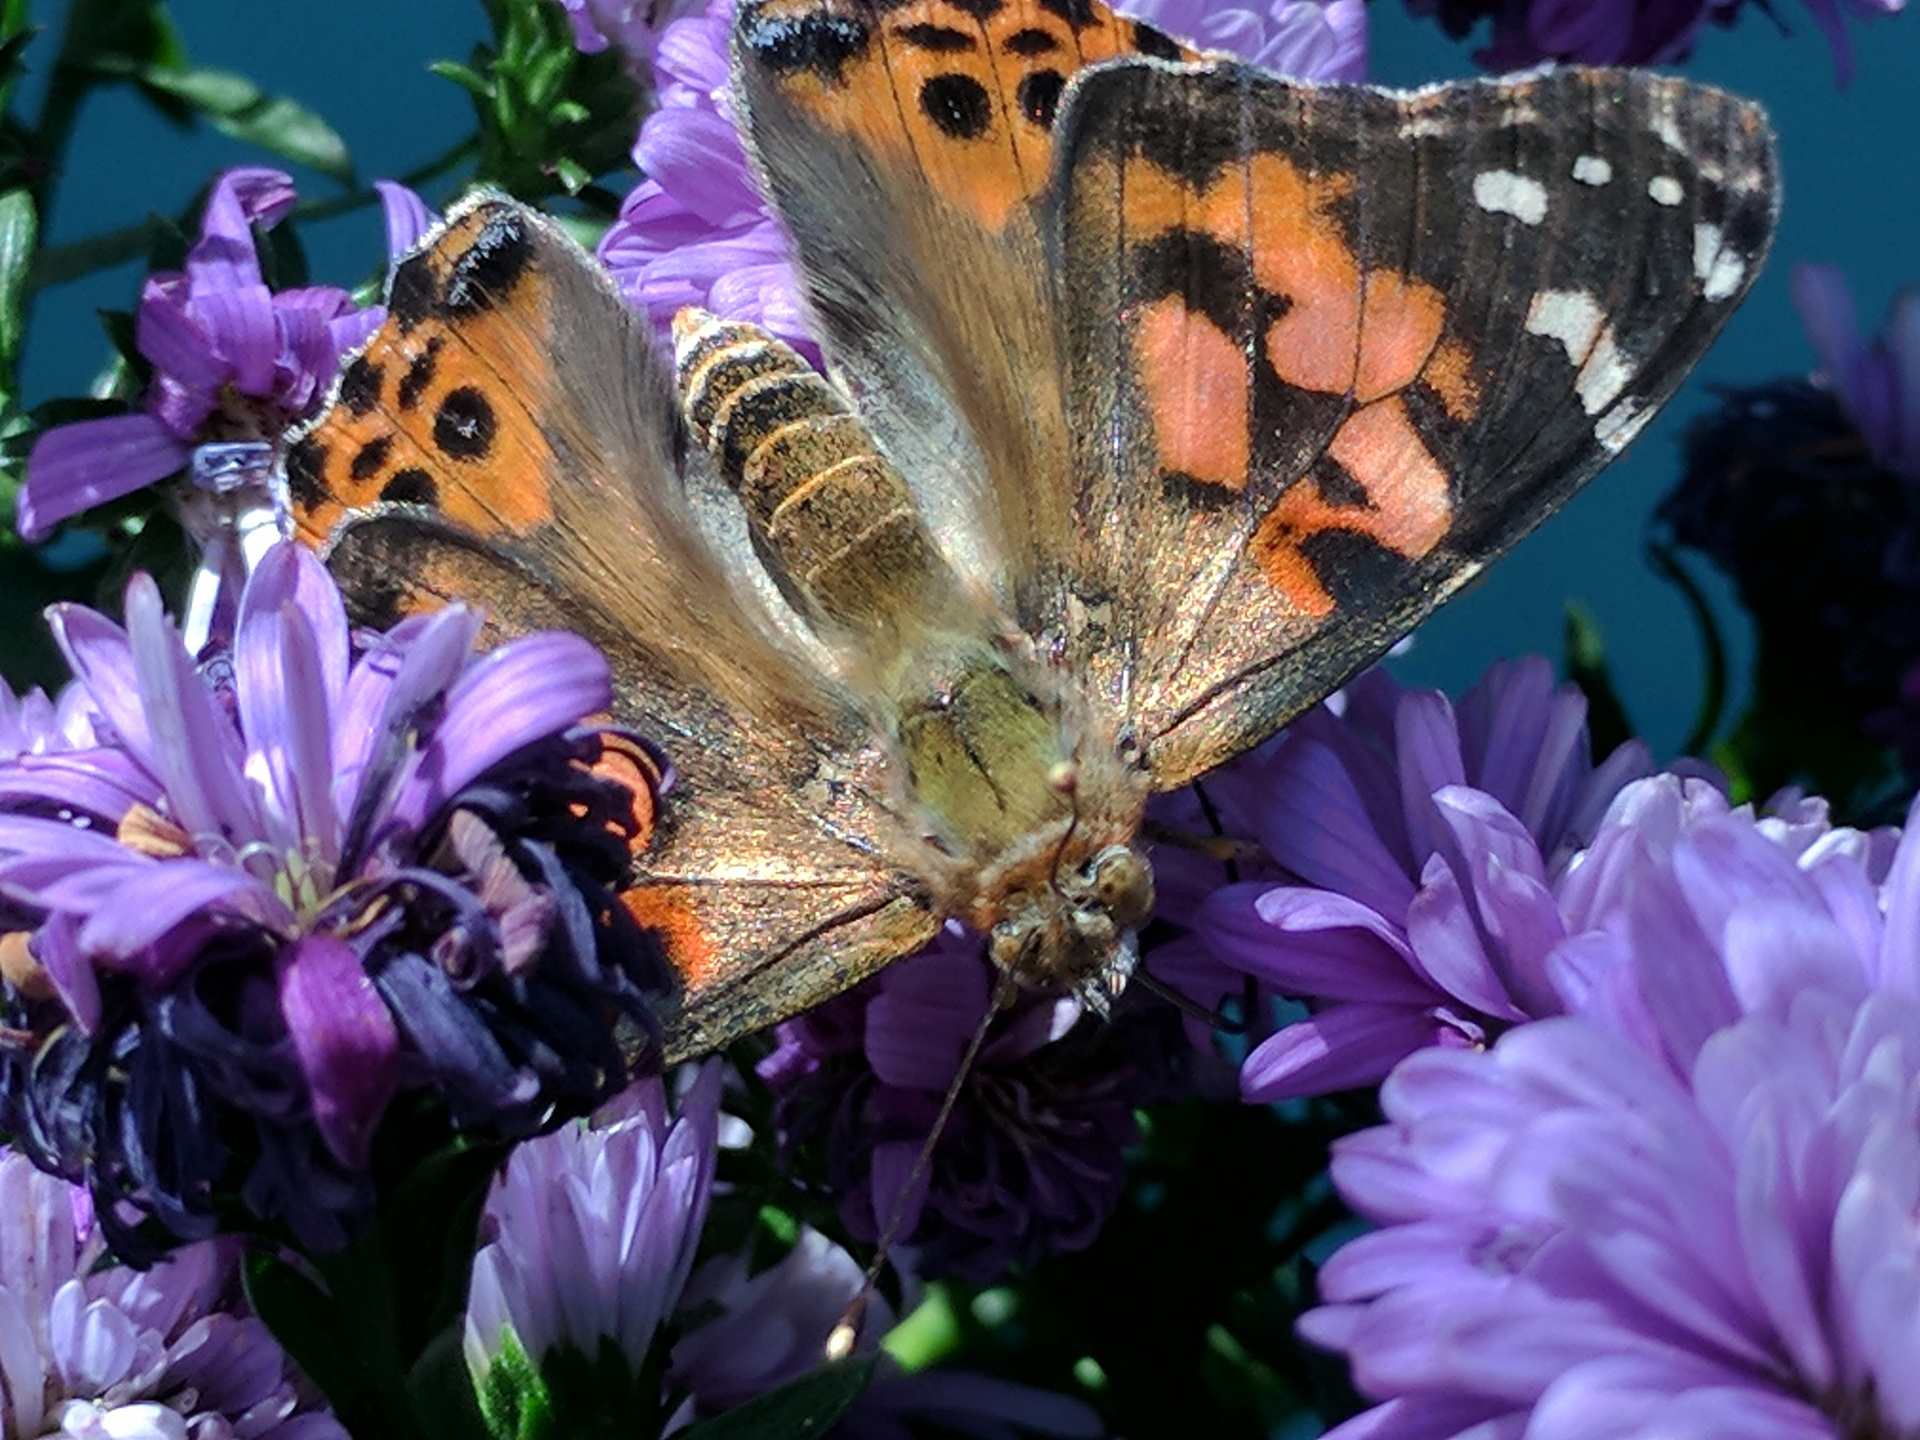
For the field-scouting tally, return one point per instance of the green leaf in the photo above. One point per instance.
(1586, 650)
(58, 264)
(465, 76)
(308, 1324)
(235, 106)
(19, 225)
(442, 1390)
(512, 1395)
(808, 1406)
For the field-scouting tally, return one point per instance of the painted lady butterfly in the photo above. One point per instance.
(1167, 394)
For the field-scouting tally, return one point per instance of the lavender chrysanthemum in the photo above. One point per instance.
(232, 361)
(1686, 1206)
(1430, 841)
(1031, 1161)
(590, 1236)
(696, 231)
(283, 890)
(1526, 33)
(633, 27)
(94, 1352)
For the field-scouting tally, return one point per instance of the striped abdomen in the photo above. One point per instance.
(833, 513)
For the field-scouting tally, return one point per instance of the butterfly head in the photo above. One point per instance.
(1079, 928)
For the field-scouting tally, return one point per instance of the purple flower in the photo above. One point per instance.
(591, 1233)
(630, 26)
(1622, 32)
(1430, 842)
(771, 1329)
(1308, 39)
(1685, 1207)
(232, 361)
(697, 232)
(288, 887)
(1877, 382)
(1030, 1162)
(94, 1352)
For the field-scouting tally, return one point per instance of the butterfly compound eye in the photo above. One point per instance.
(1123, 883)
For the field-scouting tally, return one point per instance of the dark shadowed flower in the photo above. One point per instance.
(1623, 32)
(1428, 841)
(96, 1352)
(232, 361)
(1030, 1162)
(696, 231)
(1807, 496)
(283, 889)
(770, 1329)
(1686, 1206)
(590, 1235)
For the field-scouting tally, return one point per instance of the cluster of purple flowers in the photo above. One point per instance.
(1648, 1060)
(262, 896)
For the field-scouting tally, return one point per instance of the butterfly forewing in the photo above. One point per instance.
(1330, 350)
(776, 875)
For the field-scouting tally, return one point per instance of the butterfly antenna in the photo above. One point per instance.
(1186, 1004)
(841, 1338)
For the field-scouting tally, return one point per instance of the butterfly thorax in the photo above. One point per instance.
(1027, 800)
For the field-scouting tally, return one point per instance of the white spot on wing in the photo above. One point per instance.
(1575, 319)
(1665, 190)
(1592, 170)
(1719, 270)
(1505, 193)
(1615, 429)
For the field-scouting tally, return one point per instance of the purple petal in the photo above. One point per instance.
(149, 902)
(224, 258)
(1321, 831)
(919, 1024)
(242, 324)
(1311, 943)
(1447, 949)
(348, 1046)
(1340, 1048)
(75, 467)
(97, 652)
(407, 216)
(532, 688)
(695, 155)
(169, 331)
(195, 749)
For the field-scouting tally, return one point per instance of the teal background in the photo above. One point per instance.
(1851, 161)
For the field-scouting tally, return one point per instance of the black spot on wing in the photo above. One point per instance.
(464, 425)
(370, 459)
(360, 385)
(1030, 42)
(1039, 96)
(306, 458)
(1077, 13)
(411, 487)
(419, 374)
(941, 39)
(413, 295)
(1357, 570)
(958, 105)
(490, 267)
(1157, 43)
(821, 44)
(979, 9)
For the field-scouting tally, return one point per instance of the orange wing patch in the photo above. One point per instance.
(1333, 328)
(963, 91)
(441, 407)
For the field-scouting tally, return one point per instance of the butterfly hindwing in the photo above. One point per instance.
(770, 881)
(1331, 350)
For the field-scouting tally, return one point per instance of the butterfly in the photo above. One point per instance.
(1165, 394)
